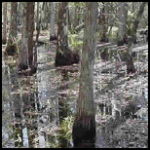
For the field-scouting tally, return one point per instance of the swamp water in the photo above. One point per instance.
(34, 107)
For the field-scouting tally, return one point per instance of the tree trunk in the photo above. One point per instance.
(56, 10)
(103, 25)
(30, 30)
(76, 16)
(130, 64)
(19, 14)
(62, 24)
(23, 53)
(4, 23)
(13, 22)
(129, 61)
(38, 22)
(84, 130)
(52, 33)
(52, 23)
(64, 55)
(136, 22)
(26, 57)
(106, 16)
(122, 17)
(69, 19)
(11, 45)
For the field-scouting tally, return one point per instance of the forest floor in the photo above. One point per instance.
(121, 99)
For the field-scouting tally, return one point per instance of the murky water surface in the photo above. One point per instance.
(34, 107)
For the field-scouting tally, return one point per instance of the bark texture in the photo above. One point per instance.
(27, 55)
(122, 17)
(64, 55)
(4, 23)
(11, 43)
(136, 21)
(84, 130)
(30, 30)
(103, 24)
(130, 64)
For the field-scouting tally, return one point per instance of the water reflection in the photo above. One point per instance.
(7, 115)
(33, 113)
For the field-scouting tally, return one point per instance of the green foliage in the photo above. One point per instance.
(54, 144)
(74, 42)
(114, 33)
(66, 125)
(67, 75)
(77, 4)
(72, 29)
